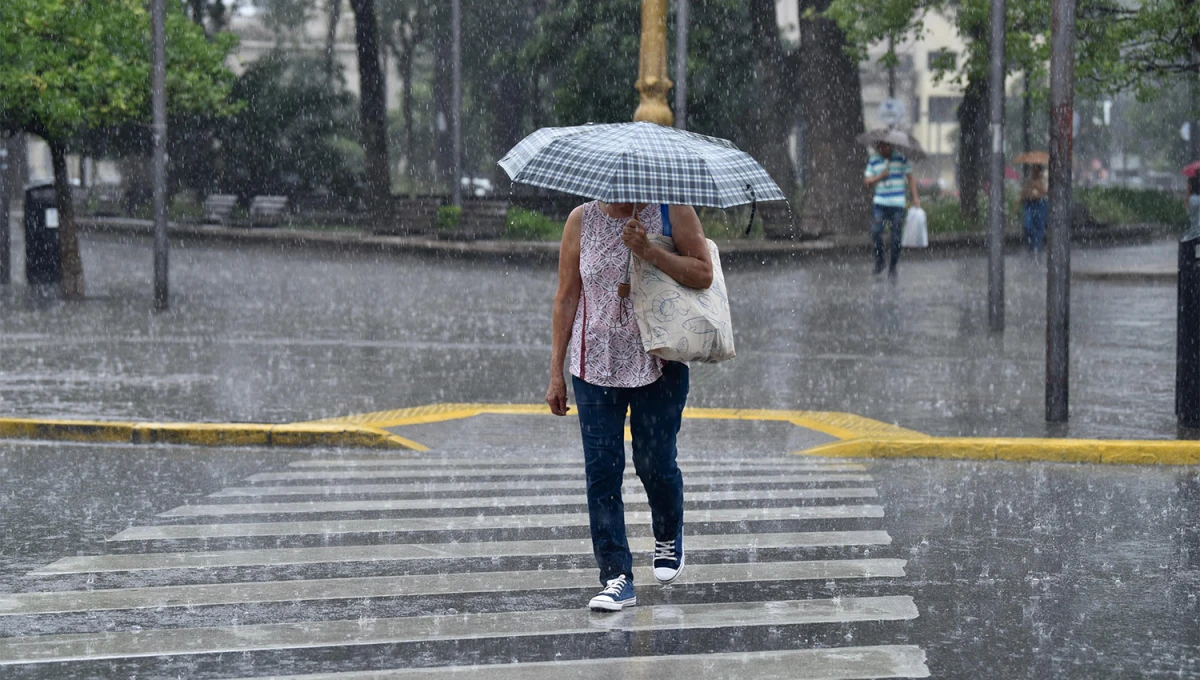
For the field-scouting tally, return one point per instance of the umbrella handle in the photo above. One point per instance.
(753, 207)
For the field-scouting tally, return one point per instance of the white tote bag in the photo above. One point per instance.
(915, 234)
(678, 323)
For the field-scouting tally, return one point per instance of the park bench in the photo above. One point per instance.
(267, 211)
(410, 216)
(481, 219)
(218, 207)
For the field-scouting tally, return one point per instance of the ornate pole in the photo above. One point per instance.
(652, 77)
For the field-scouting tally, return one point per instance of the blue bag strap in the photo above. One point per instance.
(666, 218)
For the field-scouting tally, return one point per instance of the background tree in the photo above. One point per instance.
(372, 108)
(66, 66)
(833, 117)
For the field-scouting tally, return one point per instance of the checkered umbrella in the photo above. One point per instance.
(640, 163)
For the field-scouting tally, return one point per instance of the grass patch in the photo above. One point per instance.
(448, 217)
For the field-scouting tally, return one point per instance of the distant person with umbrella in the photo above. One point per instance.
(889, 173)
(1034, 202)
(645, 178)
(1192, 172)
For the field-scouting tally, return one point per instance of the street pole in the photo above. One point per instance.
(996, 180)
(681, 53)
(5, 227)
(891, 74)
(158, 86)
(1058, 274)
(456, 105)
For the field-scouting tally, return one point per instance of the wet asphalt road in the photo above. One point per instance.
(255, 334)
(1014, 570)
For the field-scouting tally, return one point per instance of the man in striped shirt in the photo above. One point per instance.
(890, 173)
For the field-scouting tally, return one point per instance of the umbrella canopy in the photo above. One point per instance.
(897, 138)
(1032, 158)
(1191, 169)
(640, 163)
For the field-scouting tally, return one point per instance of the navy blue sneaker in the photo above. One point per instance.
(668, 558)
(617, 594)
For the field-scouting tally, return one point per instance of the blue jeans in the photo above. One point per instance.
(880, 217)
(1035, 224)
(655, 413)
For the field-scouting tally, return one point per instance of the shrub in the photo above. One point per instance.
(531, 225)
(448, 217)
(1117, 205)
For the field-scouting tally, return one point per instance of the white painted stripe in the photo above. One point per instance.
(492, 502)
(24, 604)
(513, 485)
(311, 634)
(574, 463)
(475, 522)
(276, 557)
(445, 473)
(835, 663)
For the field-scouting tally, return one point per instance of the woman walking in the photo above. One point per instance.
(594, 323)
(1034, 207)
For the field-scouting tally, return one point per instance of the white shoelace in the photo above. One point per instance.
(615, 586)
(664, 550)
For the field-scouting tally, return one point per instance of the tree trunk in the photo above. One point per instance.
(835, 199)
(772, 120)
(372, 109)
(443, 96)
(68, 239)
(335, 17)
(973, 152)
(404, 60)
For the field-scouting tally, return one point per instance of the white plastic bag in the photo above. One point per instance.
(915, 235)
(678, 323)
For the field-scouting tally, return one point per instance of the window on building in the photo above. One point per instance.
(943, 109)
(943, 60)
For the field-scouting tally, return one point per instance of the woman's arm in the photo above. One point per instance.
(566, 302)
(692, 266)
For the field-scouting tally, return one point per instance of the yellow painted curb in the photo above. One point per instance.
(834, 424)
(1133, 452)
(204, 434)
(65, 430)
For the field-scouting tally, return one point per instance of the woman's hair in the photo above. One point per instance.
(1194, 184)
(1037, 171)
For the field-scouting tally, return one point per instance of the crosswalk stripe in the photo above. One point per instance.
(505, 473)
(831, 663)
(492, 502)
(310, 634)
(394, 552)
(197, 595)
(472, 522)
(575, 463)
(513, 485)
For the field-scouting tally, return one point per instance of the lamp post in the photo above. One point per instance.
(996, 179)
(158, 95)
(1058, 223)
(652, 81)
(681, 52)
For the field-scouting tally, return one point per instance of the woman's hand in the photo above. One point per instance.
(556, 396)
(634, 237)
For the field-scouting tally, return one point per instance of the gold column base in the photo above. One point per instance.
(654, 107)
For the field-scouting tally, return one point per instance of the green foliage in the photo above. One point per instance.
(66, 65)
(945, 216)
(295, 133)
(448, 217)
(587, 52)
(1115, 205)
(531, 225)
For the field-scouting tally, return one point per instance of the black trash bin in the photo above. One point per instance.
(1187, 344)
(43, 259)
